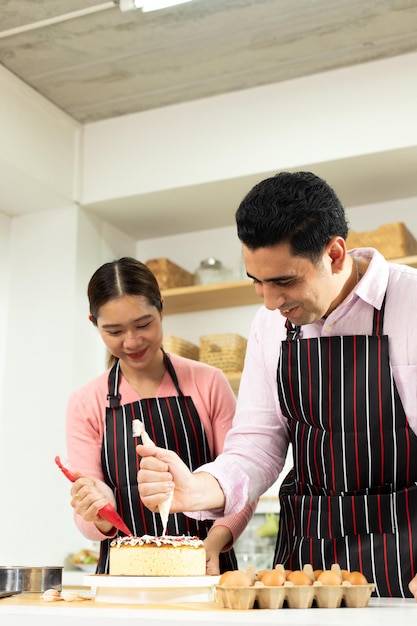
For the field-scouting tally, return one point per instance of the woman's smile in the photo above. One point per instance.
(136, 355)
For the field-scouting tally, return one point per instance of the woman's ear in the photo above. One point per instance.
(92, 319)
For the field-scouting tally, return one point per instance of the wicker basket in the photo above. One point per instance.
(225, 351)
(176, 345)
(392, 240)
(168, 274)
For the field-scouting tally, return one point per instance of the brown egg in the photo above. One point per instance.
(297, 577)
(316, 573)
(344, 573)
(235, 578)
(329, 577)
(273, 578)
(260, 573)
(356, 578)
(287, 572)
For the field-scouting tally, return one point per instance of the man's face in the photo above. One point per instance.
(303, 291)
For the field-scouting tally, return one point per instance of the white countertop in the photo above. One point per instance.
(33, 611)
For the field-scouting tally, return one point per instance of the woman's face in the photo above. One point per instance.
(131, 329)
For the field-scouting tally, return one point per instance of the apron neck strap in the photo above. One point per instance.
(114, 397)
(378, 323)
(172, 373)
(292, 331)
(113, 381)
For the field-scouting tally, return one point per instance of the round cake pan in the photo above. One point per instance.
(30, 579)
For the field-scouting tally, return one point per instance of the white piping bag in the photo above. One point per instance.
(138, 430)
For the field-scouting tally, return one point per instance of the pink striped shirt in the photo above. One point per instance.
(256, 446)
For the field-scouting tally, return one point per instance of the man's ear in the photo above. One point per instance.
(336, 249)
(92, 319)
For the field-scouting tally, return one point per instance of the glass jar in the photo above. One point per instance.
(210, 271)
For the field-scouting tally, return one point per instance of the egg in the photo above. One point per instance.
(273, 578)
(297, 577)
(260, 573)
(356, 578)
(316, 573)
(235, 578)
(330, 577)
(344, 573)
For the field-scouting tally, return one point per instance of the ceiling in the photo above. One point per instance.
(108, 63)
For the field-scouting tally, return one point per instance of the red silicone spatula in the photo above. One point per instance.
(107, 512)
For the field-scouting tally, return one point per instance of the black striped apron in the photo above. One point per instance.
(171, 422)
(351, 497)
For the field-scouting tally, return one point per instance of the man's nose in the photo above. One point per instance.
(272, 295)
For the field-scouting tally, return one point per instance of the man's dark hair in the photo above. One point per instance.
(297, 208)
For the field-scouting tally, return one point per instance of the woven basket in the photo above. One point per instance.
(176, 345)
(392, 240)
(225, 351)
(168, 274)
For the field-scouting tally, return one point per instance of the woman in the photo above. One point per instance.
(185, 405)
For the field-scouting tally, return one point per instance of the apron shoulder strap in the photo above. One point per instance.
(172, 373)
(378, 323)
(113, 381)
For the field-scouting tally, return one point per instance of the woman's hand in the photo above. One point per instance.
(162, 471)
(412, 585)
(89, 495)
(217, 539)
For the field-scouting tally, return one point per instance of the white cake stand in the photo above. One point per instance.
(151, 589)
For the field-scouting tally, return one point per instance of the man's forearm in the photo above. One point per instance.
(207, 493)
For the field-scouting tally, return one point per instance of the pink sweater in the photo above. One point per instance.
(213, 399)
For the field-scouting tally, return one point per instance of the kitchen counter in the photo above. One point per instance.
(31, 609)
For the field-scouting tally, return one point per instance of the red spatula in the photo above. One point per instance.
(107, 512)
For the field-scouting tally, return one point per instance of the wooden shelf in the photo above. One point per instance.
(207, 297)
(224, 295)
(406, 260)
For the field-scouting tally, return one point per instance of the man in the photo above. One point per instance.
(331, 367)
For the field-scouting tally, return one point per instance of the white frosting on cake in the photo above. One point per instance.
(164, 540)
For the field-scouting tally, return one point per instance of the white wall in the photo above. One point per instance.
(343, 113)
(370, 216)
(39, 150)
(37, 374)
(51, 348)
(5, 224)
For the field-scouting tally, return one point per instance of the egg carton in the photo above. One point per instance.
(295, 596)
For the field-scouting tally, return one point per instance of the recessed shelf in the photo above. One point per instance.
(224, 295)
(207, 297)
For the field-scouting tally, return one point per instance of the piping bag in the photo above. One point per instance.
(107, 512)
(138, 430)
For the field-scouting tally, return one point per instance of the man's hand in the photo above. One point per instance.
(162, 471)
(159, 468)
